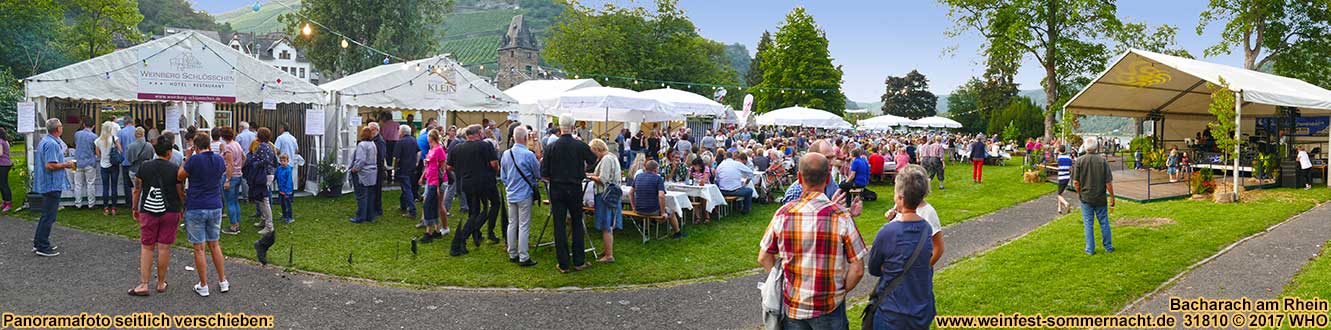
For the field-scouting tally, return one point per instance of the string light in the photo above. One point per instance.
(307, 30)
(345, 44)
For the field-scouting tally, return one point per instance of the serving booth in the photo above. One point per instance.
(1170, 96)
(180, 80)
(436, 87)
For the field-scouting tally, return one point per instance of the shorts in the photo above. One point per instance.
(203, 225)
(158, 229)
(1062, 185)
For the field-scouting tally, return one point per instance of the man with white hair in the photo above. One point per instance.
(245, 135)
(1094, 182)
(405, 152)
(377, 204)
(518, 169)
(822, 147)
(50, 181)
(565, 166)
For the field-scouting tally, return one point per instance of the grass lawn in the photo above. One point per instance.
(1314, 280)
(1047, 272)
(321, 239)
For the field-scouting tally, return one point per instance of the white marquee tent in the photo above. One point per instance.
(938, 122)
(529, 93)
(436, 84)
(687, 103)
(1142, 84)
(182, 78)
(884, 122)
(803, 117)
(609, 104)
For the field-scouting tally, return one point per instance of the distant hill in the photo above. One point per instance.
(471, 33)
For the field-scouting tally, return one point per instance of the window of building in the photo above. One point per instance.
(528, 70)
(302, 73)
(284, 55)
(236, 47)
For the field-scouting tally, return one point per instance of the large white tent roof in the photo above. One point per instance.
(688, 103)
(1140, 82)
(938, 122)
(532, 91)
(435, 83)
(115, 76)
(596, 104)
(801, 116)
(884, 122)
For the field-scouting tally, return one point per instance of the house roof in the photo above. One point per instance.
(518, 35)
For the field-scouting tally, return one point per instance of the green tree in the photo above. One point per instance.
(1162, 39)
(1060, 35)
(633, 42)
(30, 32)
(964, 107)
(409, 29)
(11, 92)
(755, 74)
(1269, 29)
(799, 59)
(159, 14)
(93, 24)
(909, 96)
(739, 60)
(1021, 113)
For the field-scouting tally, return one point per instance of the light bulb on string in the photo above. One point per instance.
(345, 44)
(405, 66)
(386, 60)
(256, 7)
(307, 30)
(418, 67)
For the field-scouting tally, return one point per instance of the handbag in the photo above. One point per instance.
(116, 156)
(866, 319)
(613, 194)
(535, 193)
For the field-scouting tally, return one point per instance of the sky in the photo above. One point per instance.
(873, 39)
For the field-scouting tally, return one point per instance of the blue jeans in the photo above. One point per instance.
(129, 182)
(110, 193)
(41, 240)
(745, 195)
(285, 200)
(364, 211)
(832, 321)
(203, 226)
(431, 205)
(407, 200)
(1089, 215)
(230, 199)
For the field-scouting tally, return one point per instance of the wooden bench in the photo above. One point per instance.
(731, 203)
(648, 222)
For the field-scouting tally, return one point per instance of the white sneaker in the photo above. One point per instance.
(201, 290)
(444, 232)
(224, 286)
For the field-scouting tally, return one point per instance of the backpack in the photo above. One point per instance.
(116, 156)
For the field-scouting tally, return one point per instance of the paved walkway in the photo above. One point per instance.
(94, 271)
(1258, 267)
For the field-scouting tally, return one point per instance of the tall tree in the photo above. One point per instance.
(1060, 35)
(633, 42)
(798, 69)
(755, 74)
(94, 23)
(30, 31)
(964, 107)
(1268, 29)
(909, 96)
(739, 60)
(409, 29)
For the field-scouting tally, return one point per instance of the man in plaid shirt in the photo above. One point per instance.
(822, 253)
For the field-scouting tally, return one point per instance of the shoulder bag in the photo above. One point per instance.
(535, 193)
(866, 319)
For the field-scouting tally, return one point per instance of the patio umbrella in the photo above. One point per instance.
(686, 103)
(608, 104)
(801, 116)
(884, 122)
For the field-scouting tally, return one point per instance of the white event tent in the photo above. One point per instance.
(687, 103)
(180, 80)
(1143, 84)
(529, 93)
(437, 86)
(803, 117)
(938, 122)
(884, 122)
(608, 104)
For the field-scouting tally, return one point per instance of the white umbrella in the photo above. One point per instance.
(686, 103)
(801, 116)
(608, 104)
(884, 122)
(938, 122)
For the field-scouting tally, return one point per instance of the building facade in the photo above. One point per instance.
(519, 55)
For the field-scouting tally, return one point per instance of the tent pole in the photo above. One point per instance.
(1238, 135)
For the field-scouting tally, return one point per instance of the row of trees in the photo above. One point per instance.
(410, 29)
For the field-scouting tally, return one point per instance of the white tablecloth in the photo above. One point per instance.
(675, 201)
(709, 193)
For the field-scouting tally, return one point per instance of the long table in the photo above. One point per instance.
(708, 193)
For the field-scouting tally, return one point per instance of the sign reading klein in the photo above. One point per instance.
(187, 72)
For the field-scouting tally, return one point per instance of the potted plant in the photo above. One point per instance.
(1202, 184)
(331, 176)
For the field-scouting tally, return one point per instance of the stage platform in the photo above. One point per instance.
(1137, 186)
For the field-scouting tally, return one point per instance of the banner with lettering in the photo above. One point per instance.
(182, 73)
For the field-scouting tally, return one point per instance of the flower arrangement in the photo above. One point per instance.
(1203, 183)
(331, 176)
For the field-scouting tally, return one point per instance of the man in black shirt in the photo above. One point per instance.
(564, 166)
(377, 204)
(476, 163)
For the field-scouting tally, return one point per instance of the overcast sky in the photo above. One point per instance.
(875, 39)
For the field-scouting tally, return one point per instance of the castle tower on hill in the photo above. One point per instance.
(519, 55)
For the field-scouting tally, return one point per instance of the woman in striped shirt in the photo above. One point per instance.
(1064, 175)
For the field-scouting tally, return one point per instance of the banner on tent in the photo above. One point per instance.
(314, 119)
(1303, 126)
(187, 74)
(439, 86)
(27, 117)
(173, 118)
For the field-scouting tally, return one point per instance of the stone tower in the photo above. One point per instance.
(519, 55)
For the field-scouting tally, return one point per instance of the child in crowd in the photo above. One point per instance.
(285, 188)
